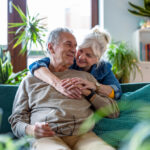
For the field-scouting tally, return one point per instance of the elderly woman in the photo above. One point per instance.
(87, 59)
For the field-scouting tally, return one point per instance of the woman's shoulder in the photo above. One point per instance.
(101, 70)
(104, 65)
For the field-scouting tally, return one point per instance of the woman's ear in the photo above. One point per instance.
(50, 48)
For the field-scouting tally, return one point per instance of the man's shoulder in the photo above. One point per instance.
(83, 74)
(30, 79)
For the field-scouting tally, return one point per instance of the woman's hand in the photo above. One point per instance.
(73, 92)
(71, 83)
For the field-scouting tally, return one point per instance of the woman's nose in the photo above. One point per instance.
(82, 56)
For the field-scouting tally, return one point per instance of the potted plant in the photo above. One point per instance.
(124, 61)
(143, 11)
(30, 31)
(8, 143)
(6, 70)
(139, 137)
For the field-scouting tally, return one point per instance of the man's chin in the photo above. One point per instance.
(70, 62)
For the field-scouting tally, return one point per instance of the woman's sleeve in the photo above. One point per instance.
(105, 105)
(44, 62)
(112, 81)
(114, 84)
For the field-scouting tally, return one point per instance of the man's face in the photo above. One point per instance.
(65, 49)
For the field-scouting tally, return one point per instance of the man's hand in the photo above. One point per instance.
(39, 130)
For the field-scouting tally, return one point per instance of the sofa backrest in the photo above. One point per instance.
(130, 87)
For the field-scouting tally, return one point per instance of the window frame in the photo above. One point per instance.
(19, 62)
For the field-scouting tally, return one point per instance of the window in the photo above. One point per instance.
(75, 14)
(78, 15)
(3, 22)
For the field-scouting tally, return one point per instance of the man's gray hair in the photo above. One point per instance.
(54, 35)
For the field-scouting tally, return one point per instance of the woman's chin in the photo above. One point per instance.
(81, 65)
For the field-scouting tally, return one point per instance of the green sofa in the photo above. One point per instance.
(7, 94)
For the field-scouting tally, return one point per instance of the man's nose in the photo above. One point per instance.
(73, 49)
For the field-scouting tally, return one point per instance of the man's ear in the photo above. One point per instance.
(51, 48)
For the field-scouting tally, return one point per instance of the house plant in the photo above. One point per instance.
(124, 61)
(6, 70)
(140, 11)
(139, 137)
(8, 143)
(143, 11)
(30, 31)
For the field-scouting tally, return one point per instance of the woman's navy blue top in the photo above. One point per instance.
(102, 73)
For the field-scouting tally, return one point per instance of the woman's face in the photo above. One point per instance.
(85, 58)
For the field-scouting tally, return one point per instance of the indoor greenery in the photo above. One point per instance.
(8, 143)
(6, 70)
(30, 31)
(139, 137)
(124, 61)
(141, 11)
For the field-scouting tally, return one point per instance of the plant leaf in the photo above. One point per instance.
(139, 8)
(138, 13)
(21, 13)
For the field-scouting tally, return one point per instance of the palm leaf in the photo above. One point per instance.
(24, 49)
(31, 31)
(138, 13)
(19, 29)
(20, 12)
(147, 4)
(20, 39)
(13, 25)
(139, 8)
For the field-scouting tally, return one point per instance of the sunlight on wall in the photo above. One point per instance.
(3, 22)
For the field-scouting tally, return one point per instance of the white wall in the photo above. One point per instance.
(121, 24)
(118, 21)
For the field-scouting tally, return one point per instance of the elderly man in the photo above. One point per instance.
(51, 118)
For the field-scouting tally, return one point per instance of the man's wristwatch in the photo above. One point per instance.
(98, 86)
(90, 95)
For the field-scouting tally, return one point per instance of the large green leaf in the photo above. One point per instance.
(147, 4)
(20, 12)
(139, 8)
(138, 13)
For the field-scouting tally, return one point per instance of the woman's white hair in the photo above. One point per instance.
(97, 39)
